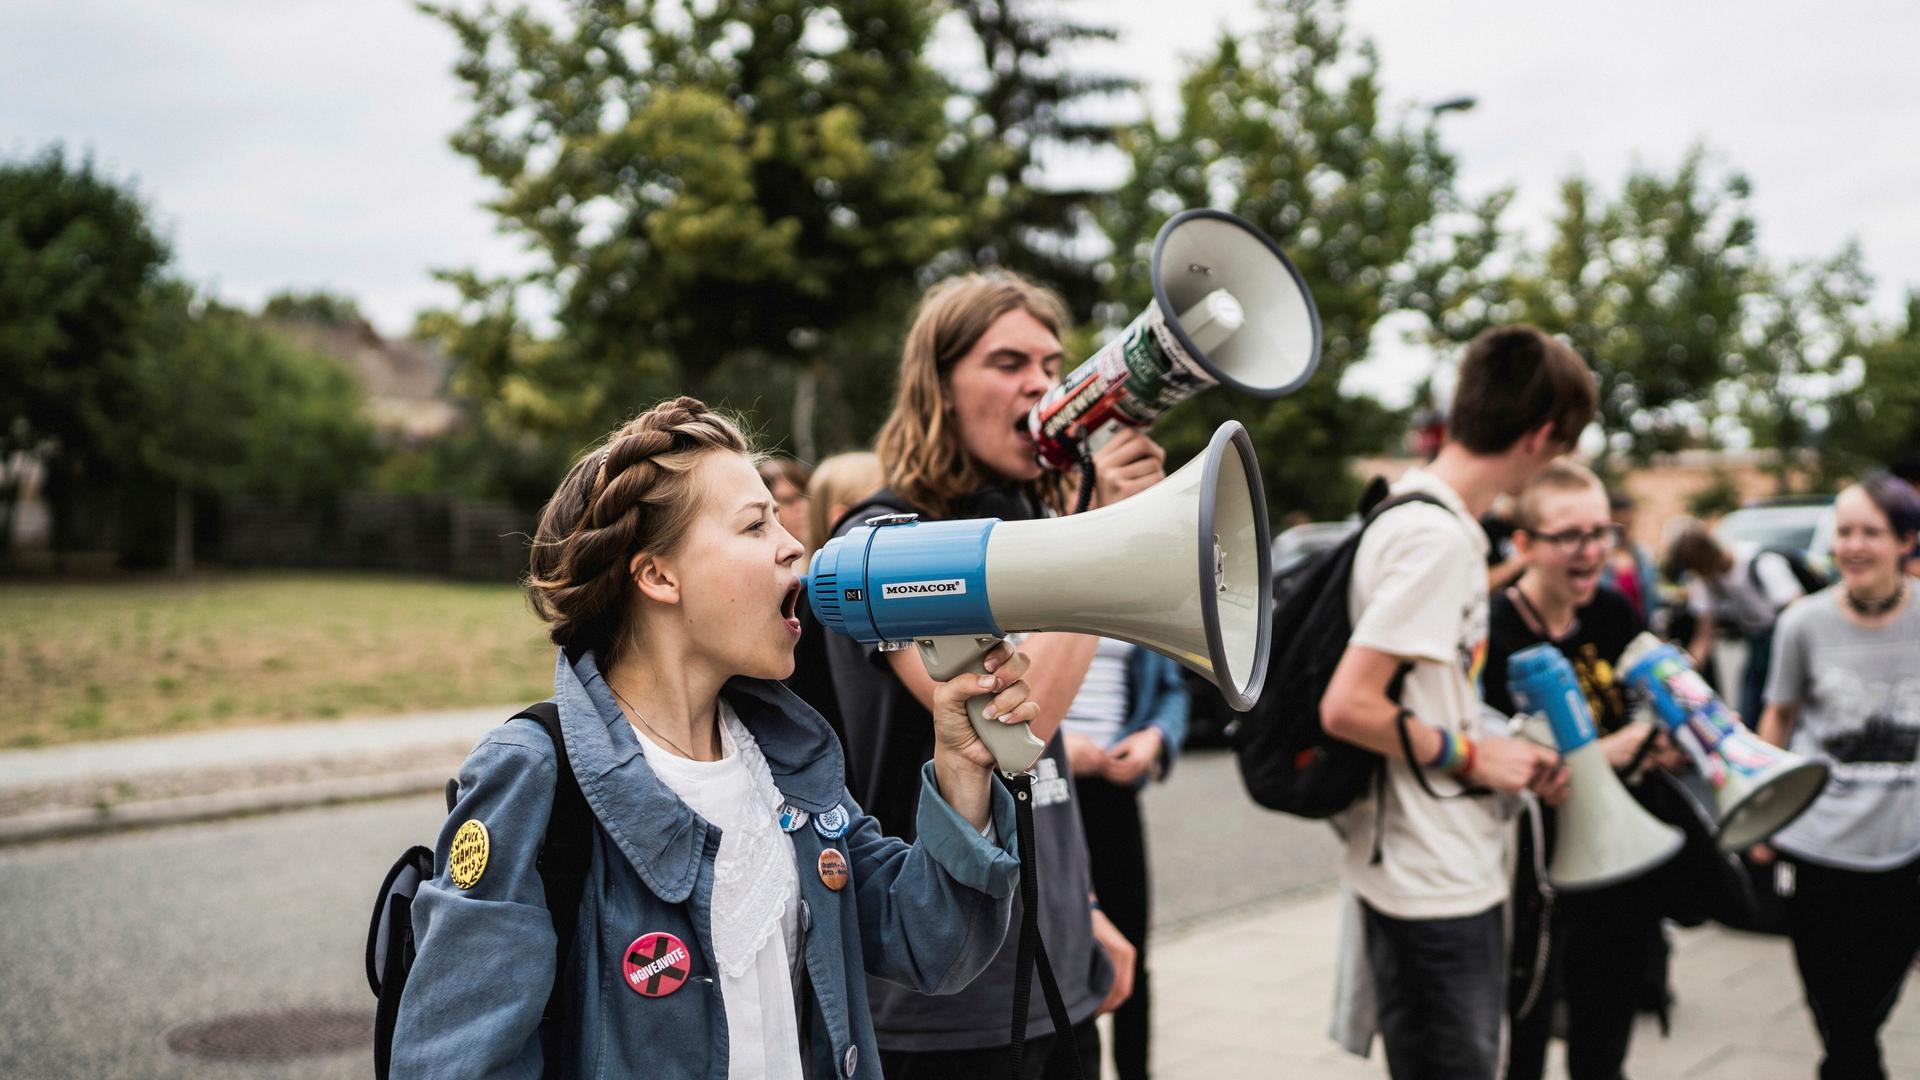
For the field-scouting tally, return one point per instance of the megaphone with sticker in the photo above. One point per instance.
(1228, 309)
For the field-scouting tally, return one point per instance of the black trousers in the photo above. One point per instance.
(1604, 945)
(1047, 1059)
(1855, 936)
(1442, 990)
(1117, 857)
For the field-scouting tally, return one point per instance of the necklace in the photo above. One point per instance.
(654, 730)
(1871, 608)
(1532, 614)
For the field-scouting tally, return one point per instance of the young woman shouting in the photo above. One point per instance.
(737, 896)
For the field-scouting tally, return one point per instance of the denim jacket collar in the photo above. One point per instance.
(658, 833)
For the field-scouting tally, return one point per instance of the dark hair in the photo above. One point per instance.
(1906, 467)
(1695, 551)
(634, 492)
(1514, 379)
(1894, 498)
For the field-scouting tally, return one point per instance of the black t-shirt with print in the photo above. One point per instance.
(1600, 634)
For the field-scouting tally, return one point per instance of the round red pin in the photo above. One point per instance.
(656, 964)
(833, 869)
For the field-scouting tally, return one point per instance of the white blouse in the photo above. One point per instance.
(755, 892)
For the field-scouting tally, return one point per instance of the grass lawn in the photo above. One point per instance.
(136, 656)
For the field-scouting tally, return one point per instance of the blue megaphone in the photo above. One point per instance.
(1182, 568)
(1604, 836)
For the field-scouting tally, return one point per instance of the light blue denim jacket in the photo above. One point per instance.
(928, 915)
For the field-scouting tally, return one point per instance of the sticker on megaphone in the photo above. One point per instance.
(1243, 317)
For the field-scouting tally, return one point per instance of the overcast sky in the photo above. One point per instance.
(298, 143)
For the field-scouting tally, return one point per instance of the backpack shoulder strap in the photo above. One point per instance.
(1373, 513)
(884, 501)
(567, 849)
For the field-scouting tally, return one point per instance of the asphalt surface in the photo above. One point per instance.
(109, 944)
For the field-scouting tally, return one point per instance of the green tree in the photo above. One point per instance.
(1877, 421)
(78, 262)
(706, 184)
(1288, 129)
(318, 307)
(226, 406)
(1651, 288)
(1802, 331)
(1030, 100)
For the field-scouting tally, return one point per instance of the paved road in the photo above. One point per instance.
(108, 944)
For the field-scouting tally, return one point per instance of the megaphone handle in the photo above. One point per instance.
(1014, 746)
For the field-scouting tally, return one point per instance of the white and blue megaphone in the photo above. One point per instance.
(1182, 568)
(1757, 789)
(1604, 836)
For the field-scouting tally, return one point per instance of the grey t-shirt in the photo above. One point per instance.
(1859, 697)
(887, 737)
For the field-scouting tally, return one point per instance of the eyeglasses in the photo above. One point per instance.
(791, 500)
(1569, 541)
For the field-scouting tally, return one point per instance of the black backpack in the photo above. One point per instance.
(1287, 760)
(563, 860)
(1811, 580)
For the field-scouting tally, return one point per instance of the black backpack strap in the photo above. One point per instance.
(884, 501)
(567, 850)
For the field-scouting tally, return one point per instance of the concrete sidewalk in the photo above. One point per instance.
(86, 788)
(1251, 995)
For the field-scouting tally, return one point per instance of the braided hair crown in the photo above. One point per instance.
(633, 492)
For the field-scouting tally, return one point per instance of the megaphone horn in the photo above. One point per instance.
(953, 588)
(1604, 836)
(1228, 309)
(1757, 789)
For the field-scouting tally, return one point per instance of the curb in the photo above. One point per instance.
(74, 822)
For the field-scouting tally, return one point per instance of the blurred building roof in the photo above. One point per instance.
(405, 381)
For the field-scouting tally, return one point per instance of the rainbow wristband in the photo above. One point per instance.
(1455, 752)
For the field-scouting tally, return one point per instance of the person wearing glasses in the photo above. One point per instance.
(1603, 942)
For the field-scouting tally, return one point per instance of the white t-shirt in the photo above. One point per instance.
(1099, 710)
(1733, 598)
(1419, 592)
(756, 896)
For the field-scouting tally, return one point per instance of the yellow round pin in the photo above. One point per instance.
(467, 859)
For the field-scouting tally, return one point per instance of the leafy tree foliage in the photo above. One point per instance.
(1287, 128)
(318, 307)
(78, 261)
(120, 381)
(705, 184)
(1803, 330)
(228, 406)
(1652, 288)
(1877, 422)
(1035, 100)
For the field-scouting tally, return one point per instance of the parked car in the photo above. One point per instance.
(1797, 523)
(1804, 525)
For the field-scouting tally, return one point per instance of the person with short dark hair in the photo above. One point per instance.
(1843, 686)
(1430, 873)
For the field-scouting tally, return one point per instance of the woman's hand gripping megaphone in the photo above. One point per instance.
(982, 706)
